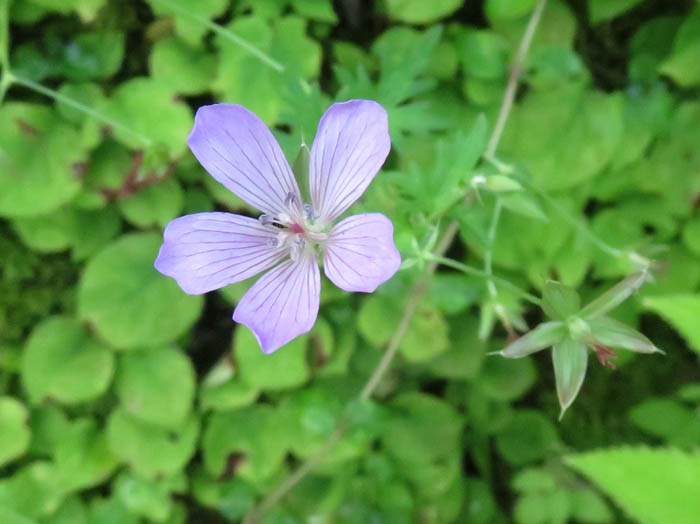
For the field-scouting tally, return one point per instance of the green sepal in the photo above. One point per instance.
(543, 336)
(570, 359)
(611, 333)
(614, 296)
(559, 301)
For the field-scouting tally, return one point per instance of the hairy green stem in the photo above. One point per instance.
(418, 290)
(475, 272)
(225, 33)
(6, 77)
(579, 225)
(39, 88)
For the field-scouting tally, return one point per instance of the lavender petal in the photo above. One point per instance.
(283, 303)
(238, 150)
(351, 145)
(361, 254)
(206, 251)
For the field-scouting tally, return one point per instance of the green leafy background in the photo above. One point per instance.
(125, 401)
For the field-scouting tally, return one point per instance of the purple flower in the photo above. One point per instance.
(206, 251)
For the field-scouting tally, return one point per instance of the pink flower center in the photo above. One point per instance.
(296, 229)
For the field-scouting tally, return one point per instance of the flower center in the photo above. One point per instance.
(297, 228)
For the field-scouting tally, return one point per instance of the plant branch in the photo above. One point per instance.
(419, 288)
(516, 70)
(39, 88)
(6, 77)
(225, 33)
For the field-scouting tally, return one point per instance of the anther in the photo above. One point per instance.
(290, 200)
(265, 219)
(309, 211)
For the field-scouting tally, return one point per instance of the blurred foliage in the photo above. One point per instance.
(125, 401)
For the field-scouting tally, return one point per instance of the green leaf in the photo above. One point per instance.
(691, 235)
(482, 53)
(601, 10)
(93, 55)
(83, 230)
(559, 301)
(681, 64)
(190, 24)
(614, 296)
(146, 498)
(253, 433)
(233, 497)
(503, 379)
(36, 490)
(187, 69)
(128, 302)
(62, 362)
(87, 9)
(151, 451)
(287, 42)
(32, 184)
(156, 204)
(529, 437)
(420, 12)
(570, 359)
(321, 10)
(623, 473)
(83, 458)
(543, 336)
(667, 419)
(426, 337)
(72, 511)
(284, 369)
(49, 423)
(681, 311)
(544, 125)
(14, 431)
(156, 385)
(507, 9)
(149, 107)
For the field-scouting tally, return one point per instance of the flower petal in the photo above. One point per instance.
(360, 253)
(351, 145)
(206, 251)
(283, 304)
(238, 150)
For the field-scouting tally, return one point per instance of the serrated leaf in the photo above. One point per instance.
(623, 473)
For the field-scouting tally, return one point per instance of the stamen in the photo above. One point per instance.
(309, 211)
(605, 354)
(291, 199)
(273, 242)
(266, 219)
